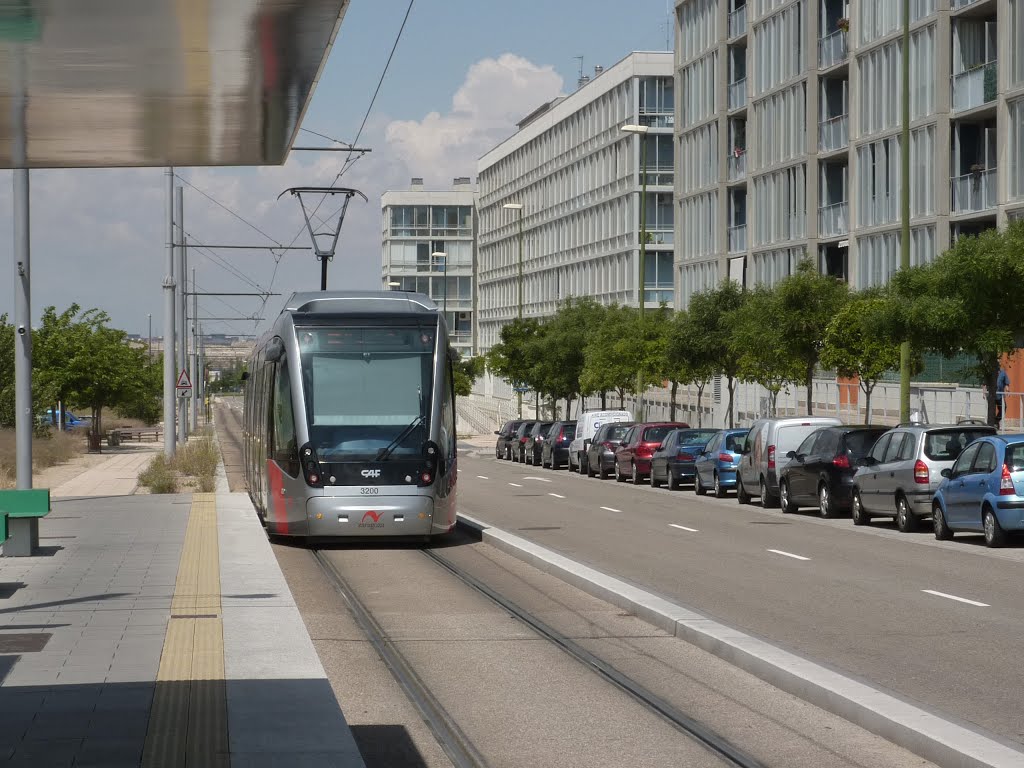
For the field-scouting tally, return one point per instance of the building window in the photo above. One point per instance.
(1016, 153)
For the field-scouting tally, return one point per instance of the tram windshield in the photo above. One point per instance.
(365, 387)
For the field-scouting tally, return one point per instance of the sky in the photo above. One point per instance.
(464, 72)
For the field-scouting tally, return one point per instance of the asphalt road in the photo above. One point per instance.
(938, 624)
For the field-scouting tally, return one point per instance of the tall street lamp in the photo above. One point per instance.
(518, 207)
(641, 131)
(442, 258)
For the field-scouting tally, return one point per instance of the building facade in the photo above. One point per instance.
(788, 126)
(428, 246)
(576, 177)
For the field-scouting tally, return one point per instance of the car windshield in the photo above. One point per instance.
(947, 444)
(696, 436)
(859, 443)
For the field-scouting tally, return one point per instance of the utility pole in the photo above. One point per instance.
(194, 356)
(179, 222)
(149, 342)
(518, 208)
(905, 208)
(169, 380)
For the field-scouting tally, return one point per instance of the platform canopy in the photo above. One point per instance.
(109, 83)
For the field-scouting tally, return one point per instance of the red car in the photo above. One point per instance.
(633, 456)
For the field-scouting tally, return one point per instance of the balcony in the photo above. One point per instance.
(657, 120)
(737, 164)
(834, 133)
(834, 220)
(956, 5)
(975, 191)
(975, 87)
(832, 49)
(738, 238)
(656, 236)
(738, 22)
(738, 94)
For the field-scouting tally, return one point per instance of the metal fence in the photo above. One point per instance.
(831, 49)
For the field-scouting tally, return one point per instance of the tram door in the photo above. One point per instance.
(287, 491)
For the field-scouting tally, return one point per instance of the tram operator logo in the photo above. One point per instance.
(370, 473)
(374, 518)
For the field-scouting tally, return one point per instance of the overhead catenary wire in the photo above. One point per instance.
(218, 203)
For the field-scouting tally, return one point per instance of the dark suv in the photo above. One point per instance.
(502, 447)
(556, 444)
(534, 442)
(820, 471)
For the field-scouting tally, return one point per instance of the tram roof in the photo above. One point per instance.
(360, 302)
(114, 83)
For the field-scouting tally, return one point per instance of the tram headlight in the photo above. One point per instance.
(311, 466)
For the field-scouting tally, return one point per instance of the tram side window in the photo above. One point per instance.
(284, 447)
(447, 431)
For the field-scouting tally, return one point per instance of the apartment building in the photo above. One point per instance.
(788, 127)
(565, 191)
(428, 246)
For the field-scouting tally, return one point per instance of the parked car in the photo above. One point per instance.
(633, 456)
(821, 469)
(519, 440)
(503, 445)
(556, 444)
(587, 425)
(768, 442)
(673, 462)
(716, 466)
(601, 451)
(903, 470)
(71, 421)
(534, 442)
(983, 491)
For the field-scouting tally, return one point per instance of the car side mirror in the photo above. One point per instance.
(623, 443)
(791, 454)
(497, 432)
(947, 472)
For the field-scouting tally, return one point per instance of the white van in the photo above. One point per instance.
(768, 441)
(587, 425)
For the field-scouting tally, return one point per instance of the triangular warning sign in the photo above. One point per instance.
(183, 380)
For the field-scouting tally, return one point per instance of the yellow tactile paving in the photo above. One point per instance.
(188, 723)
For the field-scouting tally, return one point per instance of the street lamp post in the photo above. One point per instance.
(519, 208)
(641, 131)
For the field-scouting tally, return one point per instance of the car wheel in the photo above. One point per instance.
(826, 505)
(497, 454)
(995, 536)
(619, 477)
(654, 481)
(698, 486)
(788, 507)
(860, 517)
(741, 493)
(719, 490)
(634, 474)
(766, 500)
(670, 480)
(942, 531)
(906, 521)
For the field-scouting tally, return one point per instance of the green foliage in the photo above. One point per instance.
(609, 356)
(760, 344)
(852, 349)
(145, 403)
(466, 373)
(229, 379)
(159, 476)
(710, 319)
(514, 357)
(6, 372)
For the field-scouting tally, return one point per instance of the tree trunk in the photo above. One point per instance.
(622, 399)
(990, 384)
(568, 407)
(731, 385)
(603, 399)
(672, 405)
(868, 388)
(700, 404)
(810, 390)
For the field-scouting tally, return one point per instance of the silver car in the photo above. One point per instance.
(900, 475)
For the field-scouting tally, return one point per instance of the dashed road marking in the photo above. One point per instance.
(684, 528)
(515, 485)
(788, 554)
(483, 477)
(954, 597)
(611, 509)
(542, 479)
(556, 495)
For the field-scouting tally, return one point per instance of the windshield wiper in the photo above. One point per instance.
(384, 453)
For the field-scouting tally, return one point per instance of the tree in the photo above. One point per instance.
(559, 358)
(146, 402)
(514, 358)
(686, 361)
(605, 368)
(710, 313)
(853, 350)
(807, 302)
(760, 344)
(466, 373)
(967, 300)
(7, 409)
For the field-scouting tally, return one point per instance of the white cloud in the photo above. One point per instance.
(98, 236)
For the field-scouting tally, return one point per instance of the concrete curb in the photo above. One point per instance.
(932, 737)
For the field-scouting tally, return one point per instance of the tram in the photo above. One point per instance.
(349, 418)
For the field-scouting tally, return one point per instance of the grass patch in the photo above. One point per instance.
(159, 476)
(48, 450)
(194, 466)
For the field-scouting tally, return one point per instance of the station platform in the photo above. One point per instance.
(159, 631)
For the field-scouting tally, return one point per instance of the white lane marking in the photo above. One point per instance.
(788, 554)
(958, 599)
(684, 528)
(542, 479)
(515, 485)
(483, 477)
(556, 495)
(611, 509)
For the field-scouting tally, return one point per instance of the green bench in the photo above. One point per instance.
(20, 512)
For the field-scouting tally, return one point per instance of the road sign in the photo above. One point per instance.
(184, 386)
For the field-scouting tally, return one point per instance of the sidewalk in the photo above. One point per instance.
(118, 475)
(158, 631)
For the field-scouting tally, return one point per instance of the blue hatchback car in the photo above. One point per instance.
(983, 491)
(716, 466)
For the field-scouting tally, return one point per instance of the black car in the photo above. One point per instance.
(503, 445)
(518, 440)
(535, 441)
(556, 444)
(601, 451)
(820, 472)
(674, 462)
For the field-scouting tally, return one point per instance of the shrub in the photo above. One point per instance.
(197, 458)
(158, 476)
